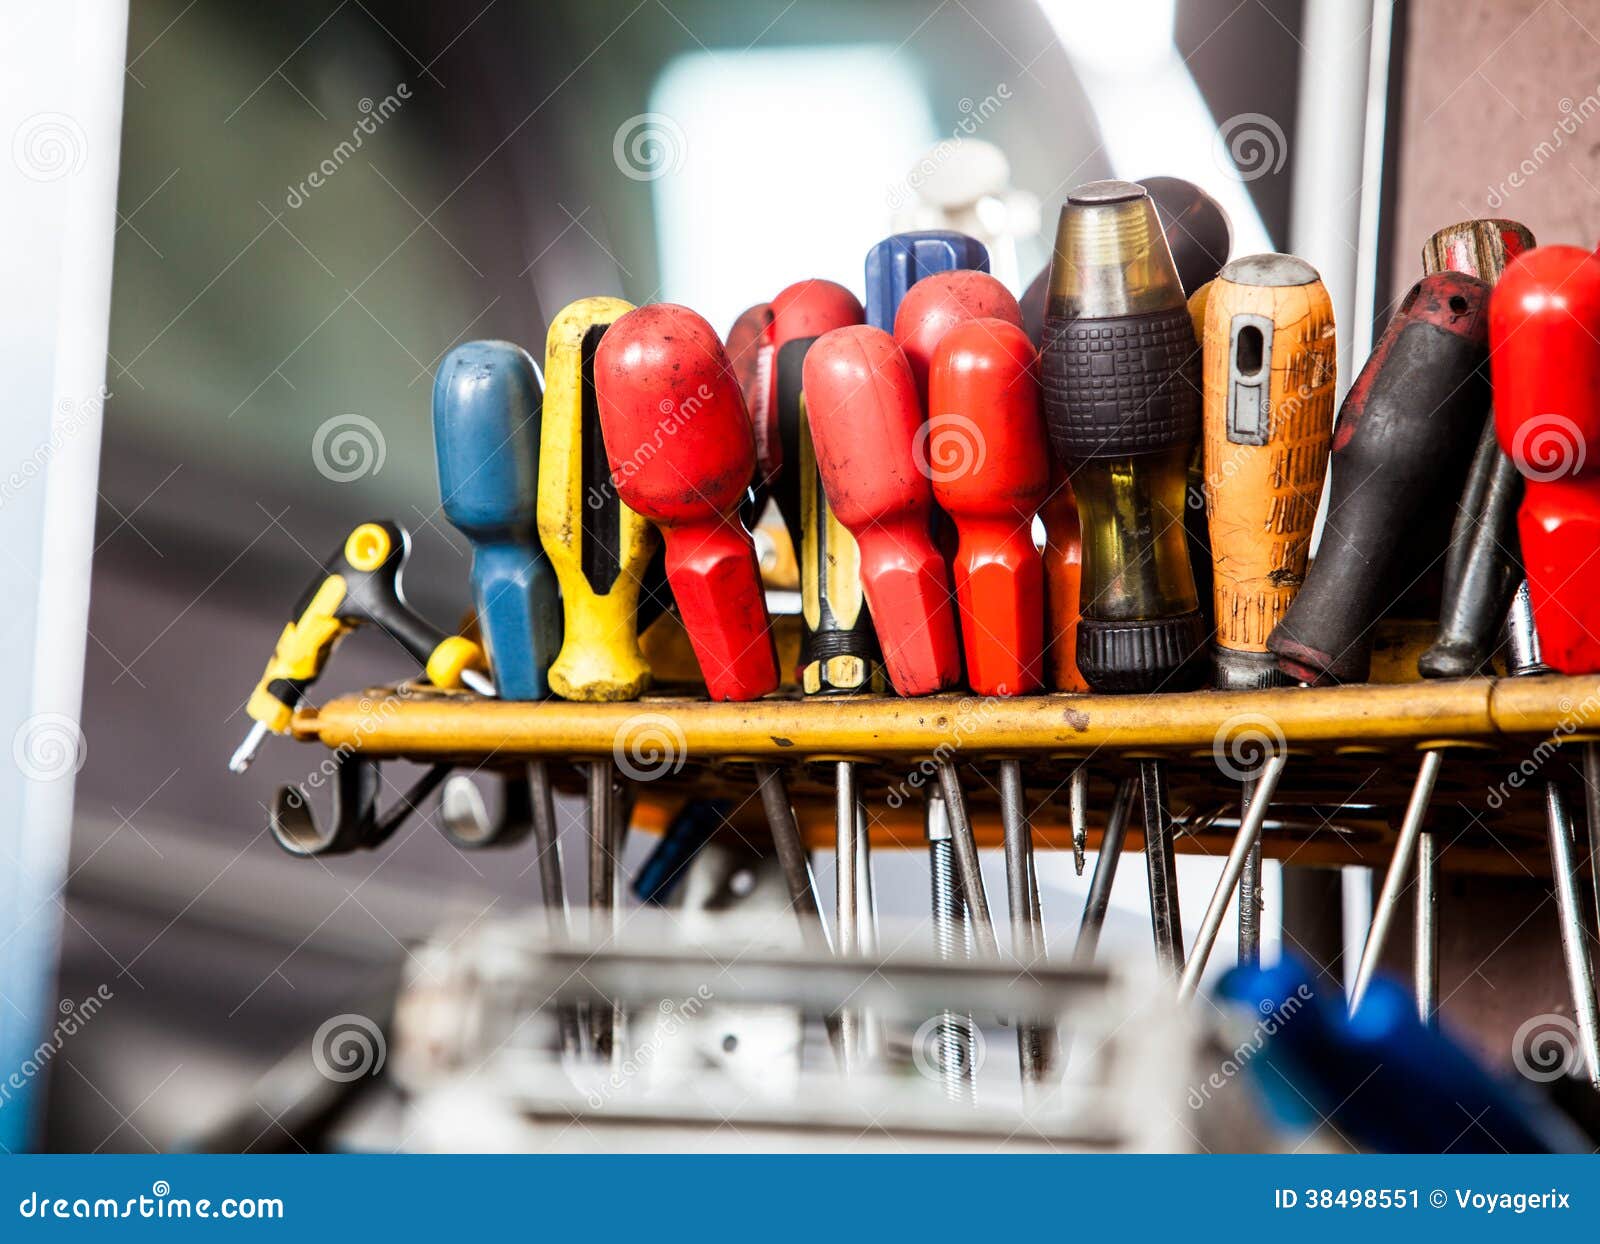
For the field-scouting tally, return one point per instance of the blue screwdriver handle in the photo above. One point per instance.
(898, 262)
(487, 399)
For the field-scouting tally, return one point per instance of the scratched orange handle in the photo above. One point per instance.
(1269, 379)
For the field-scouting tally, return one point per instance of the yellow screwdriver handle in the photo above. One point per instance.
(1269, 365)
(598, 546)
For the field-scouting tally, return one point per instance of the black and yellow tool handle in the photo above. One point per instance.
(358, 584)
(599, 547)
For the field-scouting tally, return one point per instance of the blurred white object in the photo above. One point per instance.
(965, 184)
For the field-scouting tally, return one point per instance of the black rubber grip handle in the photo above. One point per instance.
(1121, 386)
(1401, 450)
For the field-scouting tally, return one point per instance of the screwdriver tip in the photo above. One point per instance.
(240, 760)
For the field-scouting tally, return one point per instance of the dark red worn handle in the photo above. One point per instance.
(865, 417)
(937, 303)
(681, 453)
(989, 458)
(1544, 323)
(1401, 448)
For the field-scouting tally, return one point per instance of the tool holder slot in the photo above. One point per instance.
(1353, 754)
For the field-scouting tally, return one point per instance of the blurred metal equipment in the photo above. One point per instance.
(472, 1047)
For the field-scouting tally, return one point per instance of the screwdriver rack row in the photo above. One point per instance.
(1353, 753)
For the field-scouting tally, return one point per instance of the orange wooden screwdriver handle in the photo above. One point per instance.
(682, 453)
(864, 415)
(937, 303)
(1063, 578)
(1268, 376)
(989, 459)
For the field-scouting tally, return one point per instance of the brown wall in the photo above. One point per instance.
(1497, 92)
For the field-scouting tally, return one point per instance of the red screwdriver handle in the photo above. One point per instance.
(865, 418)
(681, 454)
(1544, 333)
(937, 303)
(988, 455)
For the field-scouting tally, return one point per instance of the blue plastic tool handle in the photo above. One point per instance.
(487, 400)
(898, 262)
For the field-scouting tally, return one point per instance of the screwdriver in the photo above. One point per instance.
(1268, 375)
(1400, 453)
(1482, 566)
(991, 456)
(939, 302)
(839, 649)
(1063, 577)
(750, 352)
(1544, 330)
(358, 584)
(600, 549)
(865, 417)
(1120, 381)
(898, 262)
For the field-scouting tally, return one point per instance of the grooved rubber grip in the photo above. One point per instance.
(1401, 449)
(1129, 385)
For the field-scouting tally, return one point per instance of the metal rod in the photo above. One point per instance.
(1425, 952)
(1574, 940)
(1078, 815)
(602, 893)
(1249, 953)
(1394, 881)
(1022, 897)
(786, 840)
(553, 892)
(965, 847)
(1591, 799)
(847, 902)
(952, 1032)
(791, 849)
(1249, 835)
(1166, 921)
(1098, 901)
